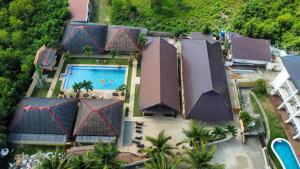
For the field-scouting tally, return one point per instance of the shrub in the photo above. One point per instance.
(246, 118)
(261, 86)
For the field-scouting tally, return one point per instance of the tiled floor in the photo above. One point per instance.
(287, 127)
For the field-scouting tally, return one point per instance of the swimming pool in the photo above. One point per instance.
(102, 77)
(285, 153)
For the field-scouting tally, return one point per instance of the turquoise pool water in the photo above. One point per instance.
(102, 77)
(286, 154)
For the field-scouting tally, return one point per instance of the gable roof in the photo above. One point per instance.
(206, 94)
(78, 34)
(292, 65)
(44, 116)
(250, 49)
(202, 36)
(159, 76)
(79, 10)
(99, 117)
(45, 58)
(122, 39)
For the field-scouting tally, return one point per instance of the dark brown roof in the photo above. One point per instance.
(159, 77)
(206, 94)
(45, 58)
(202, 36)
(250, 49)
(79, 10)
(99, 117)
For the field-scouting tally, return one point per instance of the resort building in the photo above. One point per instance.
(159, 88)
(122, 39)
(287, 85)
(204, 84)
(98, 120)
(45, 58)
(247, 52)
(46, 121)
(77, 35)
(201, 36)
(80, 10)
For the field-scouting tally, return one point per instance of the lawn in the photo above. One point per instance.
(275, 125)
(128, 85)
(100, 12)
(136, 111)
(192, 15)
(41, 92)
(57, 89)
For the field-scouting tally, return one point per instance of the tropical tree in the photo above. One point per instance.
(87, 51)
(142, 41)
(160, 161)
(200, 155)
(219, 133)
(39, 76)
(78, 162)
(231, 129)
(159, 145)
(135, 56)
(77, 88)
(87, 85)
(122, 89)
(55, 162)
(196, 133)
(66, 56)
(156, 5)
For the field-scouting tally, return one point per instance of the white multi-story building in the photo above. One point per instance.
(287, 86)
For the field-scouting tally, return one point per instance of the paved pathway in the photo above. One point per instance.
(132, 89)
(56, 77)
(264, 116)
(32, 86)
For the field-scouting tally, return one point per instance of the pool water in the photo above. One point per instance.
(286, 155)
(102, 77)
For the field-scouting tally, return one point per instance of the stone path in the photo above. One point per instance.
(132, 89)
(32, 86)
(56, 77)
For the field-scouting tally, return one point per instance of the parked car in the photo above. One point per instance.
(136, 142)
(138, 127)
(139, 137)
(139, 123)
(138, 131)
(140, 145)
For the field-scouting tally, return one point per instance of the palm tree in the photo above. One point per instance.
(196, 133)
(87, 85)
(77, 88)
(231, 129)
(87, 51)
(142, 41)
(39, 76)
(122, 89)
(159, 145)
(200, 156)
(219, 133)
(66, 56)
(55, 162)
(78, 162)
(160, 161)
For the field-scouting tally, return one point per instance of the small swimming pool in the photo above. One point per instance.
(285, 153)
(102, 77)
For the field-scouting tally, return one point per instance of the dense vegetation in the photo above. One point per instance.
(25, 25)
(277, 20)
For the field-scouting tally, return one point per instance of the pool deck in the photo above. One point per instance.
(288, 129)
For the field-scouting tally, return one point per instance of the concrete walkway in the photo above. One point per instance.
(132, 89)
(56, 77)
(32, 85)
(264, 116)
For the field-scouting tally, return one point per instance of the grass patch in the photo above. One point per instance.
(57, 89)
(192, 15)
(138, 70)
(128, 85)
(255, 106)
(41, 92)
(136, 110)
(100, 12)
(32, 149)
(275, 125)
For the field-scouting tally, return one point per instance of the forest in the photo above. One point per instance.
(25, 25)
(277, 20)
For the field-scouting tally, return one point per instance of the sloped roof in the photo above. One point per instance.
(122, 39)
(292, 65)
(78, 34)
(250, 49)
(159, 76)
(202, 36)
(79, 10)
(45, 57)
(99, 117)
(44, 116)
(206, 94)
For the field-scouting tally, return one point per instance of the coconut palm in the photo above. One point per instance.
(142, 41)
(159, 145)
(66, 56)
(77, 88)
(78, 162)
(87, 51)
(219, 133)
(200, 156)
(55, 162)
(87, 85)
(160, 161)
(231, 129)
(196, 133)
